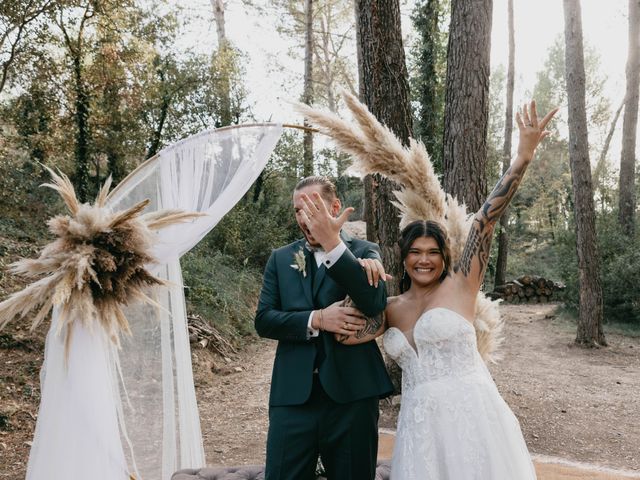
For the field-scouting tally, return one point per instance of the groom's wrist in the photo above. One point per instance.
(313, 330)
(316, 321)
(333, 255)
(331, 243)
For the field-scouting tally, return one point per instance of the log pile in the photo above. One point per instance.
(527, 289)
(206, 335)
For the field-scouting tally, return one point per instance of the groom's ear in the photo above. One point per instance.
(336, 206)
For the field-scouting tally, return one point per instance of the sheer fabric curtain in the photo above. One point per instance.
(151, 404)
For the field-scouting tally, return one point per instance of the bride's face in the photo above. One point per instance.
(424, 263)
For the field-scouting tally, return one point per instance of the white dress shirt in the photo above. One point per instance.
(327, 259)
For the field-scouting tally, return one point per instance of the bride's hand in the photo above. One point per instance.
(532, 131)
(374, 270)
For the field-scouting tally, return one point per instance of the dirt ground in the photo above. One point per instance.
(578, 404)
(581, 405)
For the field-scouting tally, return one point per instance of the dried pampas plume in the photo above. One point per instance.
(95, 266)
(375, 149)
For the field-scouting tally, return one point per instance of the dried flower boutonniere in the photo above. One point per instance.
(300, 262)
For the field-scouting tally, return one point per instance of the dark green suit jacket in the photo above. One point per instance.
(348, 373)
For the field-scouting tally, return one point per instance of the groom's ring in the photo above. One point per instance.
(345, 326)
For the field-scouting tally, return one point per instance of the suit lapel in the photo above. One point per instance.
(307, 279)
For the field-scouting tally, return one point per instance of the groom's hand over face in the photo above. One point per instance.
(324, 226)
(338, 319)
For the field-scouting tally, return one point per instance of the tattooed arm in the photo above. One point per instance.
(475, 255)
(374, 327)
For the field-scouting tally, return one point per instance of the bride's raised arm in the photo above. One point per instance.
(475, 256)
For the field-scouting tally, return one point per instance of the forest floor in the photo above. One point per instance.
(578, 404)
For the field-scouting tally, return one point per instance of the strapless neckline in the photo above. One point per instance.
(424, 315)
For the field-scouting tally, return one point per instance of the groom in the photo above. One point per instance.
(324, 395)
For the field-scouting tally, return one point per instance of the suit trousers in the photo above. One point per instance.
(345, 436)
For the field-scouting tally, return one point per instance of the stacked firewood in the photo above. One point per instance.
(206, 335)
(527, 289)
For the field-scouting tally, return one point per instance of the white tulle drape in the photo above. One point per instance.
(108, 413)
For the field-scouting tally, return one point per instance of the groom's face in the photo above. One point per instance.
(333, 207)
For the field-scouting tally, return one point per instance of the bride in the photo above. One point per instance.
(453, 423)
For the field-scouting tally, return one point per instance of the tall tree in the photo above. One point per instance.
(333, 39)
(224, 51)
(503, 236)
(75, 43)
(384, 88)
(466, 111)
(627, 202)
(428, 82)
(332, 44)
(590, 310)
(16, 18)
(109, 86)
(307, 95)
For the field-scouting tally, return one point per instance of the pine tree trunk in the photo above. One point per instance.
(218, 15)
(224, 47)
(429, 84)
(81, 176)
(384, 88)
(627, 205)
(307, 96)
(503, 236)
(466, 114)
(590, 310)
(156, 135)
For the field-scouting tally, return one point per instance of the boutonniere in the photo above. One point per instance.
(300, 262)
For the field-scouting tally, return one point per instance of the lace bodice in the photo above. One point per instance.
(445, 347)
(453, 424)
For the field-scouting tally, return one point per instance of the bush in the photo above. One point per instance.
(250, 231)
(222, 291)
(619, 270)
(25, 205)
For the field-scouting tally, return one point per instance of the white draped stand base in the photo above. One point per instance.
(77, 434)
(107, 414)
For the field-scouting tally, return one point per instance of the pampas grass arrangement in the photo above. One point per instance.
(375, 149)
(96, 265)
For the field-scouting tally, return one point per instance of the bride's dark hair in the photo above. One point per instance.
(423, 228)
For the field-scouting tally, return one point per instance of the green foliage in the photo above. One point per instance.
(250, 231)
(221, 290)
(620, 263)
(620, 270)
(24, 204)
(428, 65)
(495, 133)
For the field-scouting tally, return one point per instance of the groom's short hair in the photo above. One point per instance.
(327, 187)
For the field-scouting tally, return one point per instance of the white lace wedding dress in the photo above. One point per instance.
(453, 423)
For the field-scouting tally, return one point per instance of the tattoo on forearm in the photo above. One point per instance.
(373, 325)
(481, 232)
